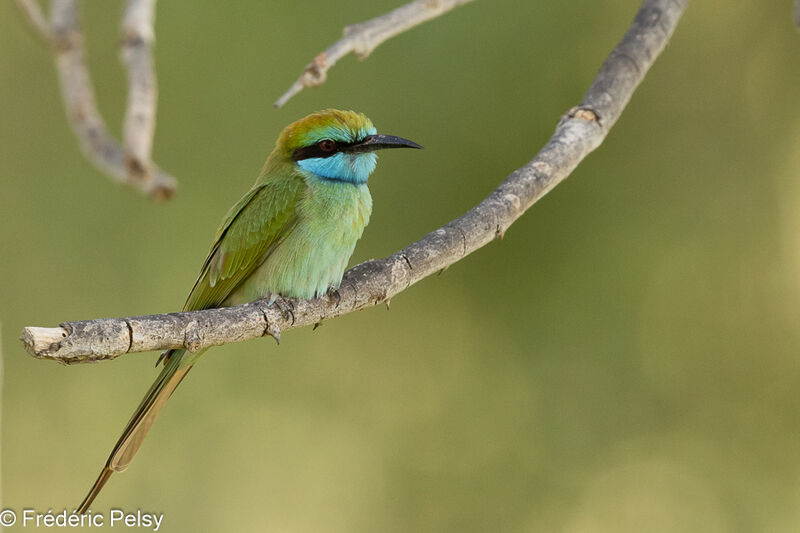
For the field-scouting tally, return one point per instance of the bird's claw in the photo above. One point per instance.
(285, 306)
(333, 292)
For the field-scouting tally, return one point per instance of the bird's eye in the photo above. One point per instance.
(326, 145)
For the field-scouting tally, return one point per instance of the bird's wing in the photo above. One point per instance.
(255, 224)
(252, 227)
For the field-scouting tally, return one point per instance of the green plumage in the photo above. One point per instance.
(251, 230)
(291, 235)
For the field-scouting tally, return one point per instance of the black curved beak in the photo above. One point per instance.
(379, 142)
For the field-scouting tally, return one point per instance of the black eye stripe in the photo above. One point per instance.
(307, 152)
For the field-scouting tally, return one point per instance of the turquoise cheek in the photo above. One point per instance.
(352, 168)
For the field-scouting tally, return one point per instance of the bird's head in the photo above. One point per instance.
(336, 145)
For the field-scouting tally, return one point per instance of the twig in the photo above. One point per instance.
(578, 133)
(363, 38)
(36, 19)
(136, 50)
(64, 36)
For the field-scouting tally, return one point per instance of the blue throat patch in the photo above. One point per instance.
(350, 168)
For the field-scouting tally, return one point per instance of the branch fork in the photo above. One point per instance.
(129, 164)
(362, 38)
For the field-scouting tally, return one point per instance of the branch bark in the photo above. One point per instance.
(136, 51)
(63, 34)
(36, 19)
(577, 134)
(363, 38)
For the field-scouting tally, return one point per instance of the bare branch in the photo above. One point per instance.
(64, 35)
(36, 19)
(363, 38)
(136, 50)
(578, 133)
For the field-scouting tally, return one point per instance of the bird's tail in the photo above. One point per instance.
(139, 424)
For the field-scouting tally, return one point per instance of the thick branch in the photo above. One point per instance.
(578, 133)
(136, 50)
(363, 38)
(63, 33)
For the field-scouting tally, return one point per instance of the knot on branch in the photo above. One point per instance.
(137, 170)
(63, 40)
(132, 39)
(316, 71)
(584, 113)
(193, 337)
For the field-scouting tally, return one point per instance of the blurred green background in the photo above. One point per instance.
(627, 359)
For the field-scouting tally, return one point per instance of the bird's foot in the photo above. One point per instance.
(285, 306)
(333, 293)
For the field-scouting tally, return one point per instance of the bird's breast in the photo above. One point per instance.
(314, 255)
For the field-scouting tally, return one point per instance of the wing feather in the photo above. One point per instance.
(251, 229)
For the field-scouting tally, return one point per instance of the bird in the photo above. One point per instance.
(290, 236)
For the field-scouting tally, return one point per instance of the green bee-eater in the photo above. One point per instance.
(291, 235)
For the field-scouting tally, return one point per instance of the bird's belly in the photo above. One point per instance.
(299, 268)
(312, 257)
